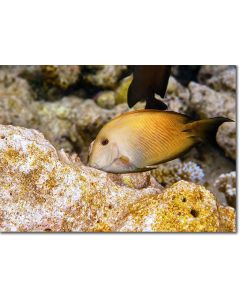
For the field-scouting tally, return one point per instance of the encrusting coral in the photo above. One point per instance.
(173, 171)
(61, 76)
(45, 190)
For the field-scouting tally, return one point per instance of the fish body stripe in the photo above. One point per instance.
(153, 137)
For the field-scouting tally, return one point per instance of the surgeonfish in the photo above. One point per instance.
(139, 140)
(149, 81)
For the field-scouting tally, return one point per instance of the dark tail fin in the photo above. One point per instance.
(147, 81)
(155, 104)
(206, 130)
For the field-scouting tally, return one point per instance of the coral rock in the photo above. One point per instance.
(135, 180)
(227, 219)
(43, 190)
(188, 207)
(61, 76)
(226, 183)
(208, 103)
(226, 138)
(104, 76)
(208, 71)
(69, 123)
(173, 171)
(177, 96)
(16, 100)
(106, 99)
(224, 81)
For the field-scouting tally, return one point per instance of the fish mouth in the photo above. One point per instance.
(95, 166)
(92, 165)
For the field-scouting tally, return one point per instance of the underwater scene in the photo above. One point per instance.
(117, 148)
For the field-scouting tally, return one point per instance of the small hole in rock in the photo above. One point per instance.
(194, 213)
(184, 199)
(110, 206)
(48, 229)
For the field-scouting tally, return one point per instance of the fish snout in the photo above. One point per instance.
(92, 165)
(90, 161)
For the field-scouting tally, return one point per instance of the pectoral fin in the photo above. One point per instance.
(124, 160)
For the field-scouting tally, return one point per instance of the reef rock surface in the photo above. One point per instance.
(209, 103)
(42, 189)
(226, 183)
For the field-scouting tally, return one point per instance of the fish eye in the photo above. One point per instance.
(105, 142)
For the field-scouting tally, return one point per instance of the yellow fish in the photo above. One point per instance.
(140, 140)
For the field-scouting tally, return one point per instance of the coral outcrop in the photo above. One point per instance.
(208, 103)
(173, 171)
(177, 97)
(45, 190)
(208, 71)
(61, 76)
(70, 123)
(103, 76)
(226, 183)
(106, 99)
(16, 99)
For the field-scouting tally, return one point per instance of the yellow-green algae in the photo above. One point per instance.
(122, 90)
